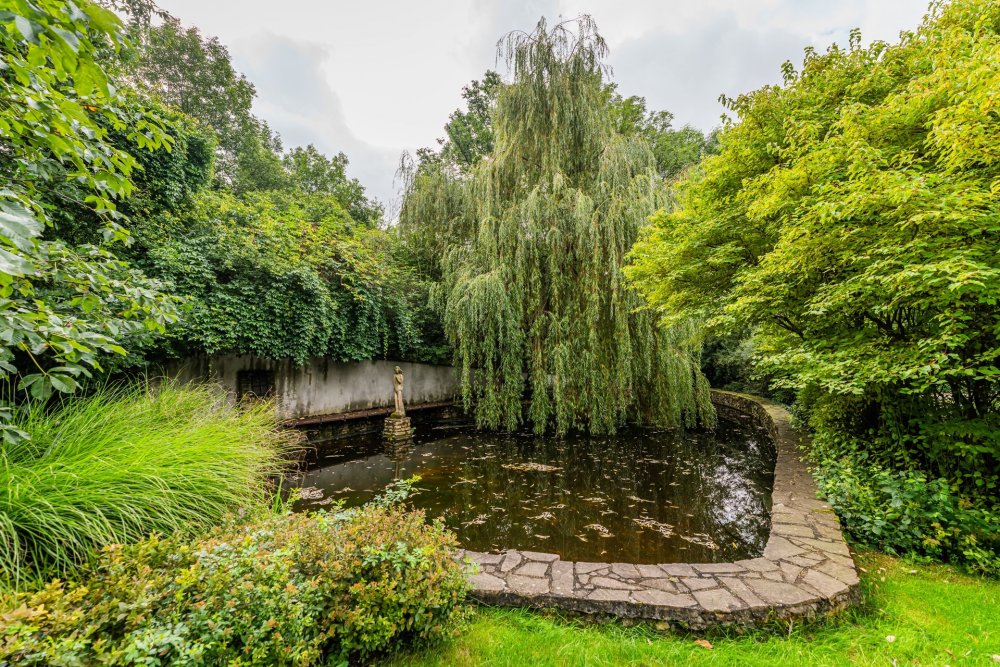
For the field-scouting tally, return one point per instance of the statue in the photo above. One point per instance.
(397, 390)
(397, 432)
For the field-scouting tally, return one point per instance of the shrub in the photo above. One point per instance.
(297, 589)
(123, 463)
(905, 513)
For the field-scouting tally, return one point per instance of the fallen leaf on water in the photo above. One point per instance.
(704, 643)
(530, 467)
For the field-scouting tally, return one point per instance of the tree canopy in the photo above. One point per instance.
(534, 300)
(673, 149)
(850, 221)
(195, 75)
(64, 305)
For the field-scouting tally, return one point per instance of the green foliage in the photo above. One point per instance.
(312, 172)
(674, 150)
(169, 181)
(121, 464)
(299, 589)
(433, 216)
(850, 221)
(905, 513)
(533, 241)
(195, 76)
(64, 307)
(284, 275)
(470, 133)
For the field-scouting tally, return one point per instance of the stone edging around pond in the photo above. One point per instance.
(806, 569)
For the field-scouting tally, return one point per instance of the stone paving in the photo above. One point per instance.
(806, 568)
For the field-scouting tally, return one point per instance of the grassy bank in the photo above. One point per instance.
(913, 615)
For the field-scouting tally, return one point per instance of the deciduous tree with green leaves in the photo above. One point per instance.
(62, 307)
(195, 75)
(673, 149)
(852, 220)
(535, 301)
(314, 173)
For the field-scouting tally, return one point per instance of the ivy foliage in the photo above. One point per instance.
(532, 243)
(65, 306)
(851, 221)
(284, 275)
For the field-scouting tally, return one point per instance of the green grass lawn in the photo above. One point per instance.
(913, 615)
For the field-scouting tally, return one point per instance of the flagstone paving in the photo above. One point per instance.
(806, 568)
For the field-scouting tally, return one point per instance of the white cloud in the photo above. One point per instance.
(375, 78)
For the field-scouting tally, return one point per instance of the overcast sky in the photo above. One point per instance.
(374, 78)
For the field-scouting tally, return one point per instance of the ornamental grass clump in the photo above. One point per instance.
(300, 589)
(123, 463)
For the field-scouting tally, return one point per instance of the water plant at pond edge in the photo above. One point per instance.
(123, 463)
(301, 589)
(533, 299)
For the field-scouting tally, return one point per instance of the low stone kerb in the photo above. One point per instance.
(806, 569)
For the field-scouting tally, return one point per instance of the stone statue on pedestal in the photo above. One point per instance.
(397, 390)
(397, 426)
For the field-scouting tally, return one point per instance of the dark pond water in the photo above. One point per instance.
(645, 496)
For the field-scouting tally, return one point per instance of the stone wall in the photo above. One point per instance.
(806, 569)
(324, 387)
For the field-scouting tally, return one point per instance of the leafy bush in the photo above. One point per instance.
(296, 589)
(123, 463)
(905, 513)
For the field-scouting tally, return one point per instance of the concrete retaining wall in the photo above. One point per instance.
(322, 386)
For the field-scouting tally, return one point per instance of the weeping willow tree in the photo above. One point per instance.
(531, 246)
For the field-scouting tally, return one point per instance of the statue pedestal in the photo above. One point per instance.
(397, 428)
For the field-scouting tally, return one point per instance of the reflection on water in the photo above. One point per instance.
(645, 496)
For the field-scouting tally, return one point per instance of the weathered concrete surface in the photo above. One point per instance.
(806, 569)
(325, 387)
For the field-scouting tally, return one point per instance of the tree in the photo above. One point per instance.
(195, 75)
(850, 220)
(535, 300)
(63, 306)
(674, 150)
(312, 172)
(469, 133)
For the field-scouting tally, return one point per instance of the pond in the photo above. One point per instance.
(641, 496)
